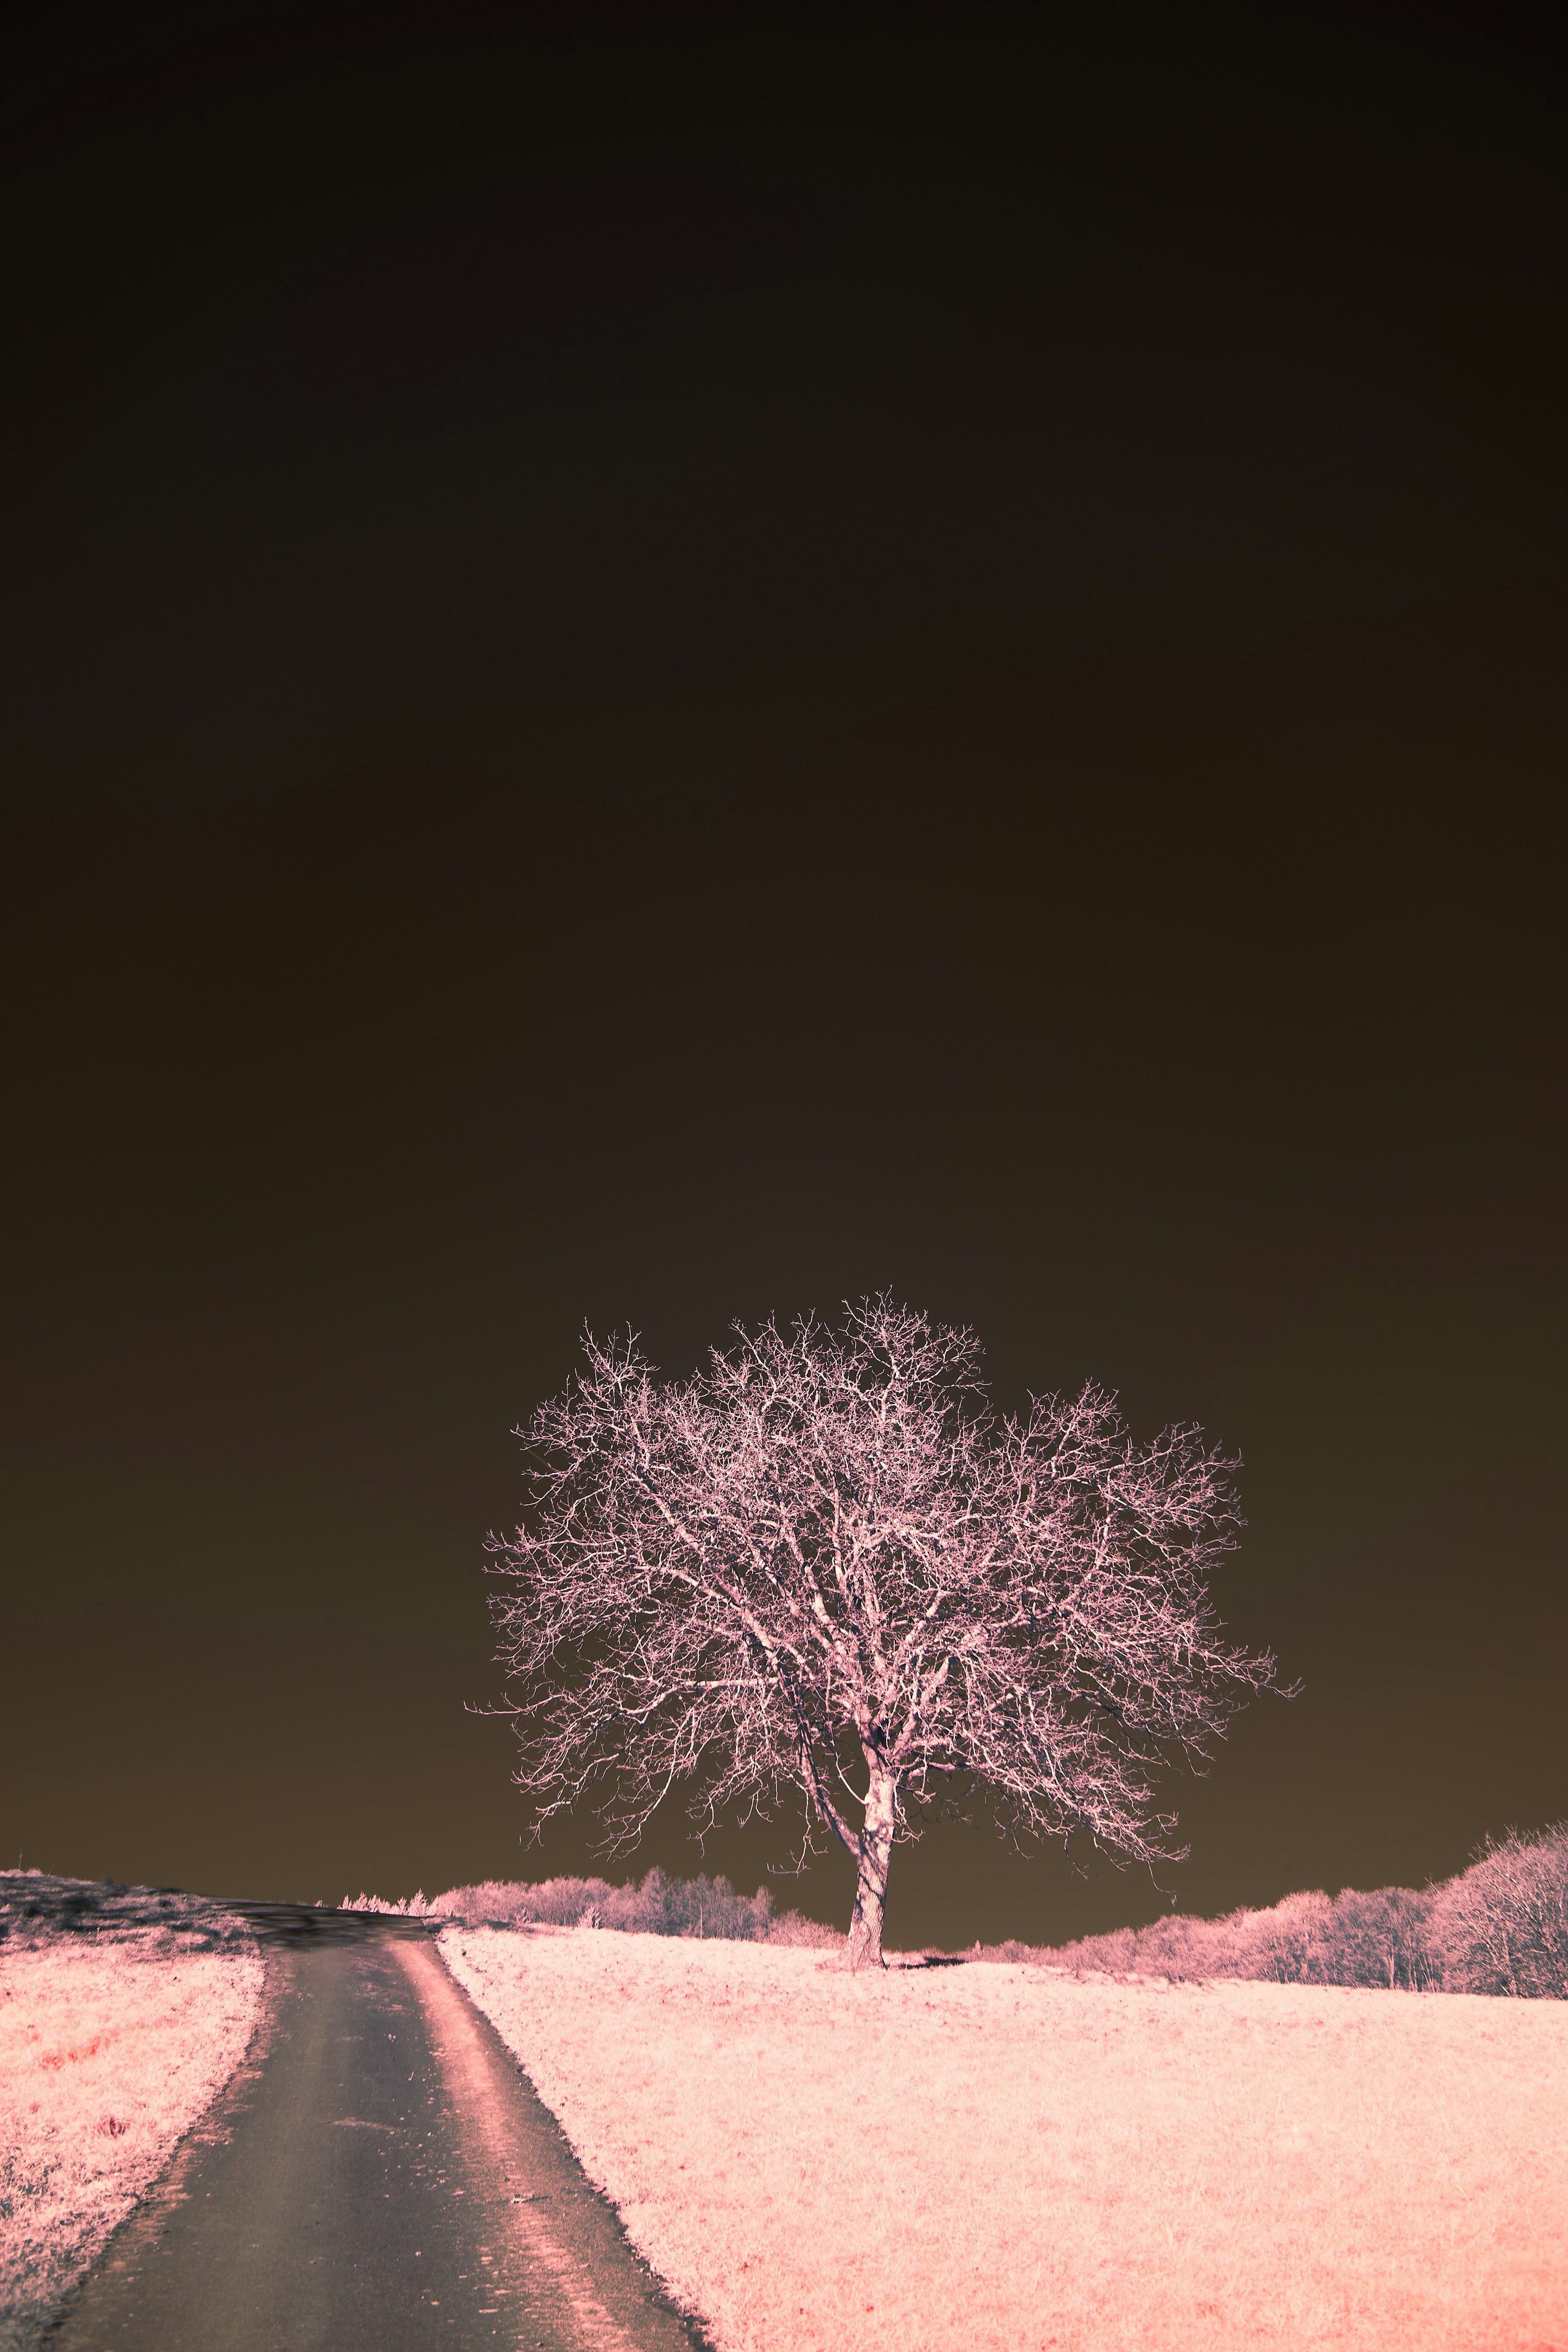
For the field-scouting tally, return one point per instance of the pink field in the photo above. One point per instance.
(110, 2046)
(1001, 2158)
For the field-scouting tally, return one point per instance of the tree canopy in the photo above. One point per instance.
(823, 1565)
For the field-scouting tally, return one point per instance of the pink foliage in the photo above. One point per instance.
(702, 1908)
(1500, 1927)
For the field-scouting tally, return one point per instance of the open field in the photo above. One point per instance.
(1001, 2158)
(120, 2021)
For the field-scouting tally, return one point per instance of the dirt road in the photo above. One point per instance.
(378, 2175)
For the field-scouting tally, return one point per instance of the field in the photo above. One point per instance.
(115, 2033)
(1005, 2159)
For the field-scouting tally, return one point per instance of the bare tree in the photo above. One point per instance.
(1501, 1927)
(823, 1566)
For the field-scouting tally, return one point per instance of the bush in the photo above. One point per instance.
(662, 1905)
(1376, 1940)
(1501, 1927)
(413, 1907)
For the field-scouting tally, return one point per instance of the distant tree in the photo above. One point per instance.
(823, 1566)
(1501, 1927)
(1380, 1940)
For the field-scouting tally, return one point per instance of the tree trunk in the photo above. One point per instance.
(876, 1845)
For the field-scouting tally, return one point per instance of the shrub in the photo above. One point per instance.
(660, 1906)
(500, 1902)
(1500, 1927)
(414, 1907)
(1376, 1940)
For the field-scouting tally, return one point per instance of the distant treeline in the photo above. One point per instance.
(660, 1906)
(1500, 1927)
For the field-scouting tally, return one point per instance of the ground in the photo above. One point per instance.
(991, 2158)
(995, 2158)
(116, 2031)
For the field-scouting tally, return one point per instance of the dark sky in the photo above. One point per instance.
(656, 680)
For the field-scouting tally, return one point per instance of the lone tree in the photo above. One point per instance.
(823, 1565)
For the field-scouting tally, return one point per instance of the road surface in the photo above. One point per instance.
(378, 2177)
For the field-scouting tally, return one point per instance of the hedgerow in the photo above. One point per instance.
(1499, 1926)
(659, 1905)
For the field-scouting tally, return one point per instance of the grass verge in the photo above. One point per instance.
(1000, 2158)
(123, 2011)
